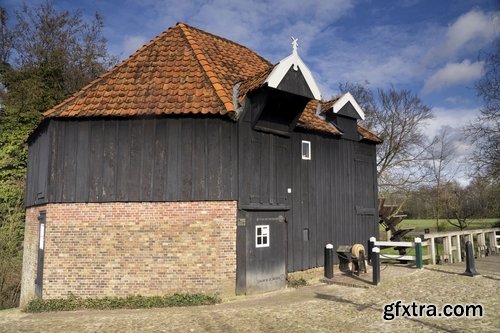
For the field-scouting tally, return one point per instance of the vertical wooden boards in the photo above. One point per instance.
(37, 177)
(123, 160)
(53, 166)
(231, 188)
(69, 161)
(173, 135)
(29, 189)
(109, 168)
(324, 199)
(295, 244)
(59, 160)
(186, 159)
(214, 165)
(43, 166)
(141, 159)
(160, 169)
(147, 159)
(96, 160)
(82, 162)
(198, 171)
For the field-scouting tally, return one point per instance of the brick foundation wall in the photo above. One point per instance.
(117, 249)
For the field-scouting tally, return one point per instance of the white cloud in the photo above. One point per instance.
(457, 100)
(471, 30)
(456, 118)
(453, 121)
(133, 43)
(454, 73)
(267, 26)
(383, 56)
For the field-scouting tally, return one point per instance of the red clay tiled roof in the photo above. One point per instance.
(183, 70)
(253, 83)
(368, 135)
(311, 121)
(308, 119)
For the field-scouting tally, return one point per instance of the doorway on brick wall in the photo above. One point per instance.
(266, 251)
(41, 248)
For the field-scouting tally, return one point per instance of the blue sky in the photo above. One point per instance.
(434, 48)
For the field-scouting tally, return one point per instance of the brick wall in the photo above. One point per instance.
(117, 249)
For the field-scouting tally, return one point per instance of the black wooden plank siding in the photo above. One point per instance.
(327, 190)
(333, 195)
(39, 162)
(151, 159)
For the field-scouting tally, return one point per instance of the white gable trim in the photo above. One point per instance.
(280, 70)
(342, 101)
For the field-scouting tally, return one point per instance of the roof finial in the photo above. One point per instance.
(295, 44)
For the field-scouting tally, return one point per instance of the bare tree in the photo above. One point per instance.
(63, 51)
(441, 153)
(484, 131)
(462, 204)
(398, 117)
(5, 37)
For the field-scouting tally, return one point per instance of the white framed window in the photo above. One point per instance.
(261, 235)
(306, 150)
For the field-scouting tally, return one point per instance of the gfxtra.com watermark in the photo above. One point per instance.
(400, 309)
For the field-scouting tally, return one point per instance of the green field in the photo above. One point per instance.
(420, 225)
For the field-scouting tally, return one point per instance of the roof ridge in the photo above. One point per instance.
(104, 75)
(205, 65)
(225, 39)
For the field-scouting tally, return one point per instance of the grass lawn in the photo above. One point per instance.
(422, 224)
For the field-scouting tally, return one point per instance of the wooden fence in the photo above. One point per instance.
(383, 244)
(452, 245)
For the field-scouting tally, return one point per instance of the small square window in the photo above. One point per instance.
(261, 236)
(306, 150)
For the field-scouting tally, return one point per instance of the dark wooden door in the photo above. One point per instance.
(265, 192)
(41, 248)
(266, 251)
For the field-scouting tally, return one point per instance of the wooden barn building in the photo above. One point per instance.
(195, 165)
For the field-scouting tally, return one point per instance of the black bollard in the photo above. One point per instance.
(371, 245)
(470, 269)
(376, 265)
(329, 261)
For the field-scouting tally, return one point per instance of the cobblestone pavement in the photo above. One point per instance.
(316, 308)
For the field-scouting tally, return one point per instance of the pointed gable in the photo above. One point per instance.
(293, 69)
(347, 106)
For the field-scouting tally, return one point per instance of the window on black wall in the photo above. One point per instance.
(306, 150)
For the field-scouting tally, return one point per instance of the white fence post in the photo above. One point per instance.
(433, 251)
(459, 248)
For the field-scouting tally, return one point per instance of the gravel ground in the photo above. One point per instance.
(316, 308)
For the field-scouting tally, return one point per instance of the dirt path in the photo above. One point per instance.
(318, 308)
